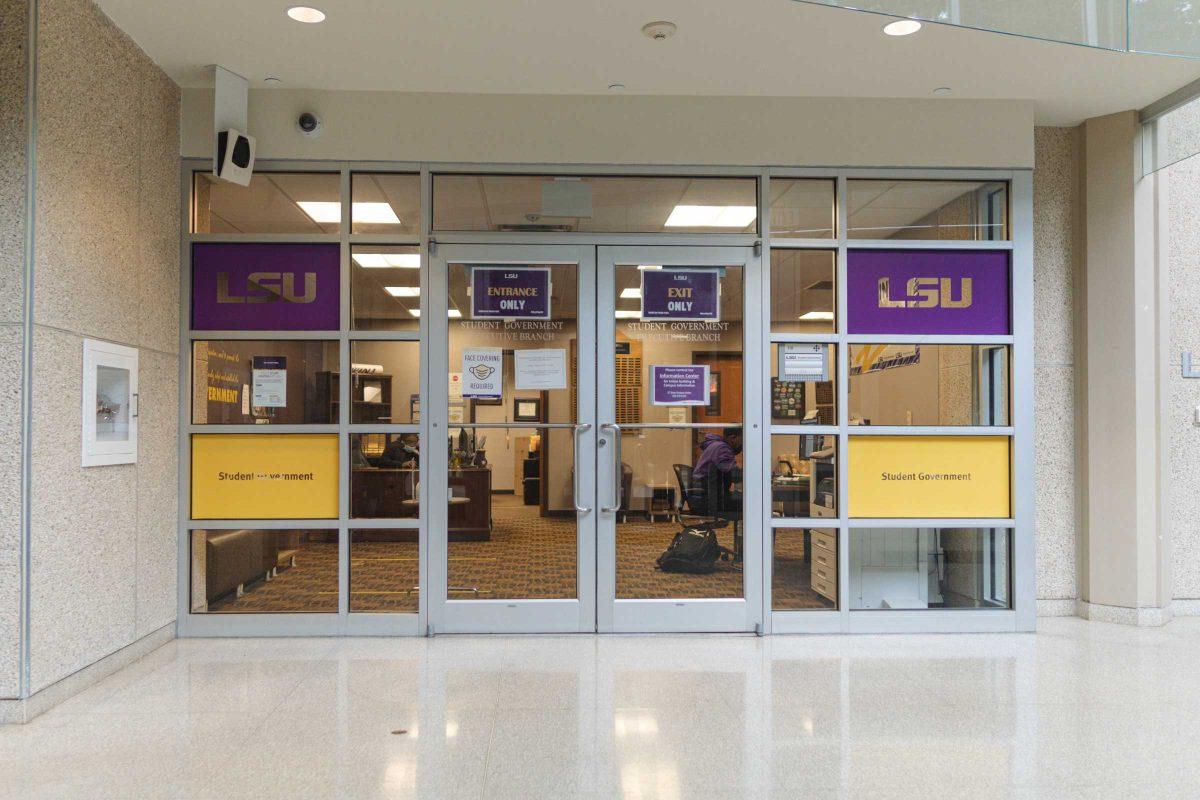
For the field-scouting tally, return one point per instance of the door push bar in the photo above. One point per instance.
(617, 488)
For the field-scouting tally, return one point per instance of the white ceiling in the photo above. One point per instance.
(723, 47)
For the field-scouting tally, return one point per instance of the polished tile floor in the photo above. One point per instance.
(1081, 710)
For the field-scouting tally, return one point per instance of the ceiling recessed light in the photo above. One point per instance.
(306, 14)
(902, 27)
(817, 315)
(403, 291)
(631, 293)
(711, 216)
(942, 91)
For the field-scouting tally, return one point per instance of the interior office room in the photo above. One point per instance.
(522, 400)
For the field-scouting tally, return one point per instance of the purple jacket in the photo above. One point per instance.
(714, 452)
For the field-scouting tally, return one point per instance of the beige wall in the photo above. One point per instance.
(630, 129)
(1183, 432)
(103, 539)
(1056, 248)
(13, 162)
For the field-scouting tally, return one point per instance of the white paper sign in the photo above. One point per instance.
(677, 415)
(456, 387)
(483, 372)
(541, 369)
(245, 400)
(803, 362)
(270, 382)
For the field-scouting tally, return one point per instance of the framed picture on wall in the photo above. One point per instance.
(713, 408)
(527, 409)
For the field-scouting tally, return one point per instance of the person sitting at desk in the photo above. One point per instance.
(399, 453)
(718, 467)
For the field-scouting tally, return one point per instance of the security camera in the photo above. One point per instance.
(310, 124)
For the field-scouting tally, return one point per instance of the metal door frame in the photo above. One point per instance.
(512, 615)
(678, 614)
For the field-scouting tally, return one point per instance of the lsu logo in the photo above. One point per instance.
(927, 293)
(268, 287)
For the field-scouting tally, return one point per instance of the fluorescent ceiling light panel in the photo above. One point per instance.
(454, 313)
(325, 212)
(817, 315)
(711, 216)
(388, 260)
(403, 291)
(626, 314)
(649, 266)
(631, 293)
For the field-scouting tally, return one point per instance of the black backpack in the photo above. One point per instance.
(694, 551)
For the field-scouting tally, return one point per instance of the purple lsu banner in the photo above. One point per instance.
(945, 292)
(264, 287)
(683, 295)
(510, 292)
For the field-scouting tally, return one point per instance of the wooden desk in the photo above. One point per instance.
(391, 493)
(793, 496)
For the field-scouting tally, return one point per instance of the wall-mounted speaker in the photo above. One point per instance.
(235, 157)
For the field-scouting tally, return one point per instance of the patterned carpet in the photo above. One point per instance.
(528, 556)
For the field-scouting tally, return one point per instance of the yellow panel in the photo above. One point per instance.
(929, 476)
(265, 476)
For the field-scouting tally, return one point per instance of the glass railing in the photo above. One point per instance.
(1170, 27)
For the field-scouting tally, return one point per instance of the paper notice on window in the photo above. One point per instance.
(677, 415)
(803, 362)
(541, 369)
(270, 382)
(483, 373)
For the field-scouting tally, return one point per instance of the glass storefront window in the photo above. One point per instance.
(386, 387)
(929, 568)
(802, 291)
(385, 288)
(594, 204)
(256, 382)
(383, 202)
(385, 475)
(802, 208)
(384, 571)
(929, 384)
(274, 202)
(804, 574)
(264, 571)
(801, 401)
(953, 210)
(804, 476)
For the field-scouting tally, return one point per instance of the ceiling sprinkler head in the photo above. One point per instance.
(659, 31)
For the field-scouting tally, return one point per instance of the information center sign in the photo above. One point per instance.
(266, 287)
(681, 295)
(682, 385)
(930, 477)
(940, 292)
(265, 476)
(510, 292)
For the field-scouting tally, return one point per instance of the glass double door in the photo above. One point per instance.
(588, 405)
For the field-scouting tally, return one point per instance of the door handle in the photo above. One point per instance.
(582, 427)
(617, 488)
